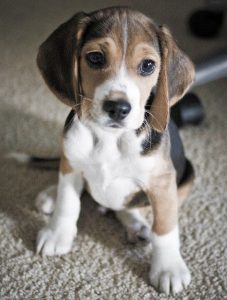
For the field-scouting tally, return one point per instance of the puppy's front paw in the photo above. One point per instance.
(55, 241)
(169, 274)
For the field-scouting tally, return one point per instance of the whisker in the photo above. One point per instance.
(75, 105)
(154, 118)
(81, 97)
(84, 98)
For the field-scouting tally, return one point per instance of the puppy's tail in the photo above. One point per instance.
(35, 161)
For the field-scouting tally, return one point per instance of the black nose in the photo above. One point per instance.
(117, 110)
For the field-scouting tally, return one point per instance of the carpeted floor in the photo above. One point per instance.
(102, 264)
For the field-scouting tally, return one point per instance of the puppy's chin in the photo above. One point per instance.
(109, 125)
(114, 127)
(121, 126)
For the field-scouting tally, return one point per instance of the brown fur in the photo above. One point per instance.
(57, 57)
(164, 201)
(180, 69)
(176, 75)
(160, 105)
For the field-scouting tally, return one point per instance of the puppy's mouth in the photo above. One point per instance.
(112, 124)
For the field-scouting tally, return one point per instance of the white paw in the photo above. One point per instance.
(168, 275)
(57, 241)
(138, 232)
(45, 200)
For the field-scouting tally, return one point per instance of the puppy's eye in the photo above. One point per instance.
(146, 67)
(95, 60)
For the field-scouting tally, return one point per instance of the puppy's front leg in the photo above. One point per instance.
(57, 236)
(168, 269)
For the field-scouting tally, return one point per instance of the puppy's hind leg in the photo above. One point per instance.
(45, 200)
(136, 226)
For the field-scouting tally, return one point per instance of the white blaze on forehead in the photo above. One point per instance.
(125, 36)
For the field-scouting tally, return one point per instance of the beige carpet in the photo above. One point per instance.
(102, 264)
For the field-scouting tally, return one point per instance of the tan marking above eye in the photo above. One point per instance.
(99, 45)
(92, 51)
(141, 52)
(146, 48)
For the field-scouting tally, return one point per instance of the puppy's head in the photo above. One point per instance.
(106, 65)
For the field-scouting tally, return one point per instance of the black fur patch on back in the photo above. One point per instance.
(188, 172)
(69, 121)
(177, 151)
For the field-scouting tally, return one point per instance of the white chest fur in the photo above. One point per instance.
(110, 162)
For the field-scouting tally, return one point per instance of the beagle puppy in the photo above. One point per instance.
(119, 73)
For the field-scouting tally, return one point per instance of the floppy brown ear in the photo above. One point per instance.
(57, 58)
(175, 77)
